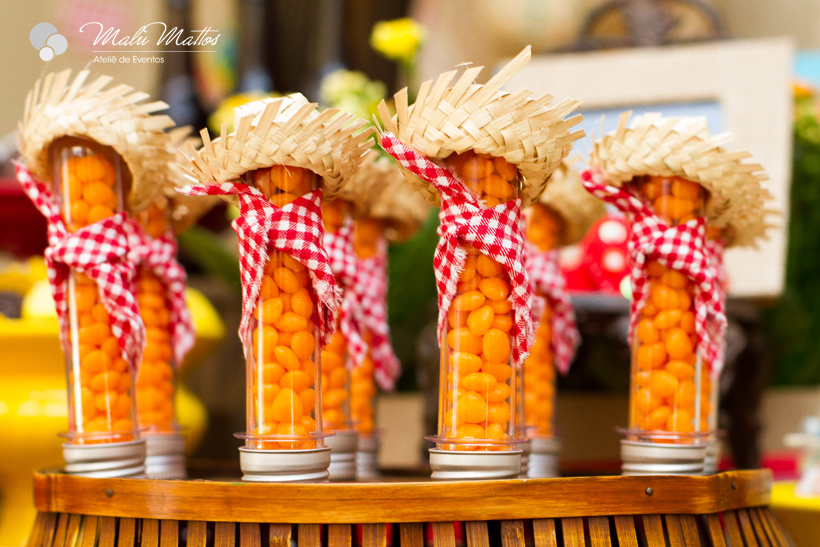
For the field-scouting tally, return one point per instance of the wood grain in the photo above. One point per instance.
(49, 527)
(225, 534)
(444, 534)
(338, 535)
(127, 534)
(716, 530)
(108, 531)
(197, 533)
(169, 533)
(374, 535)
(309, 535)
(476, 533)
(59, 532)
(732, 529)
(689, 526)
(354, 503)
(150, 533)
(35, 538)
(599, 535)
(89, 527)
(280, 535)
(760, 532)
(573, 529)
(544, 533)
(673, 531)
(746, 528)
(653, 528)
(250, 535)
(775, 526)
(625, 529)
(512, 533)
(412, 534)
(73, 530)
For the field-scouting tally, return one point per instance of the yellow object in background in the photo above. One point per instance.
(33, 406)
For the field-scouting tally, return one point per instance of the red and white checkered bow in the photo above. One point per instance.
(548, 282)
(158, 255)
(716, 248)
(295, 229)
(681, 248)
(371, 293)
(464, 220)
(100, 251)
(343, 262)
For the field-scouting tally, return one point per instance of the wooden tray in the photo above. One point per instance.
(724, 510)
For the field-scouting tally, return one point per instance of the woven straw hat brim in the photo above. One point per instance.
(283, 131)
(578, 208)
(653, 145)
(379, 190)
(447, 119)
(117, 117)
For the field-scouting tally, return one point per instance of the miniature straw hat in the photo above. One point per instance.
(283, 131)
(115, 117)
(653, 145)
(379, 190)
(523, 130)
(567, 197)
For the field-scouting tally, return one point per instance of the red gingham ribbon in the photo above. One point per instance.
(681, 248)
(716, 248)
(295, 229)
(158, 255)
(370, 288)
(99, 250)
(464, 220)
(549, 283)
(343, 262)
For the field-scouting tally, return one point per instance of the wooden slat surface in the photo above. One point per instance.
(309, 535)
(250, 535)
(197, 533)
(225, 535)
(760, 532)
(127, 533)
(444, 534)
(689, 526)
(512, 533)
(625, 529)
(374, 535)
(354, 503)
(599, 535)
(716, 530)
(746, 528)
(89, 530)
(150, 533)
(35, 538)
(338, 535)
(49, 527)
(573, 529)
(653, 528)
(733, 529)
(412, 534)
(169, 533)
(673, 531)
(280, 535)
(108, 531)
(73, 530)
(476, 534)
(59, 532)
(775, 526)
(544, 533)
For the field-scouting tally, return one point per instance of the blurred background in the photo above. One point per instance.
(330, 51)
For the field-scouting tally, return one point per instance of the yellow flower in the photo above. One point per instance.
(397, 40)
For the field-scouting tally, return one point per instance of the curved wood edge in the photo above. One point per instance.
(339, 503)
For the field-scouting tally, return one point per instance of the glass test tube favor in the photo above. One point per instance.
(156, 379)
(284, 381)
(670, 383)
(88, 183)
(476, 395)
(544, 227)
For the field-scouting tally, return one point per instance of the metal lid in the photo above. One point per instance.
(368, 443)
(457, 465)
(367, 464)
(646, 458)
(545, 445)
(108, 460)
(284, 465)
(542, 465)
(161, 444)
(343, 442)
(342, 466)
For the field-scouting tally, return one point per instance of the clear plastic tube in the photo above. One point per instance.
(476, 397)
(670, 388)
(284, 395)
(89, 180)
